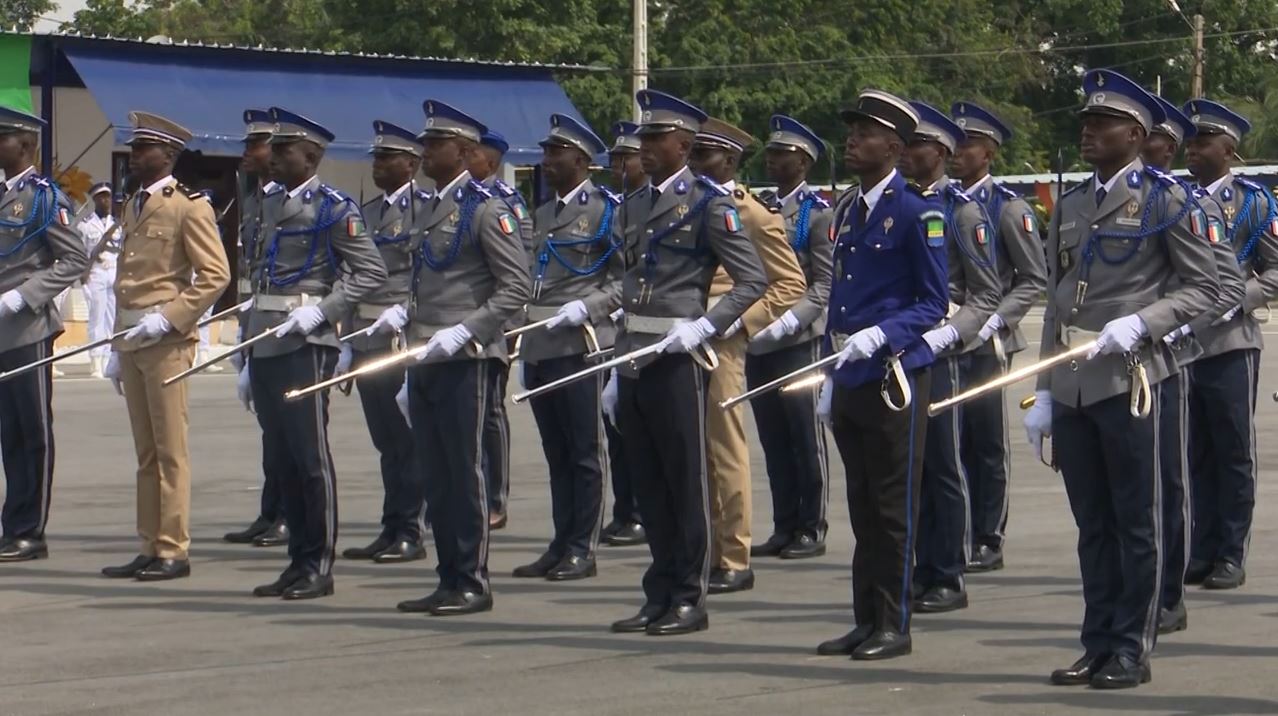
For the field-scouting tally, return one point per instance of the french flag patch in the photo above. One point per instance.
(732, 220)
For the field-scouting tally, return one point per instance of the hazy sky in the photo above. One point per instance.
(66, 9)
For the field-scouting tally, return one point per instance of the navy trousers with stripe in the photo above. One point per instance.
(26, 441)
(625, 509)
(944, 541)
(295, 445)
(496, 460)
(1176, 491)
(1111, 465)
(447, 402)
(403, 500)
(986, 454)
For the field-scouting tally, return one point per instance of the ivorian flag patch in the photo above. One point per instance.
(982, 235)
(831, 233)
(64, 216)
(1214, 231)
(520, 212)
(507, 224)
(1027, 222)
(1273, 226)
(732, 220)
(354, 225)
(1197, 223)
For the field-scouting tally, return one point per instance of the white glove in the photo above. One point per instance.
(862, 344)
(573, 313)
(11, 302)
(447, 342)
(247, 304)
(112, 371)
(344, 360)
(825, 400)
(938, 339)
(992, 326)
(392, 320)
(237, 361)
(609, 398)
(617, 315)
(401, 400)
(243, 390)
(686, 336)
(152, 325)
(786, 325)
(302, 320)
(1119, 336)
(1177, 334)
(1038, 420)
(732, 329)
(1227, 316)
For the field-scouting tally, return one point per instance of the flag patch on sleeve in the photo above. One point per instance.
(1198, 223)
(507, 224)
(934, 228)
(64, 216)
(520, 212)
(1027, 222)
(1273, 226)
(732, 220)
(354, 225)
(982, 235)
(1214, 231)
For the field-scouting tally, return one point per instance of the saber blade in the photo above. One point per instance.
(1015, 376)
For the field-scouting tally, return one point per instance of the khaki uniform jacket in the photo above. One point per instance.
(786, 284)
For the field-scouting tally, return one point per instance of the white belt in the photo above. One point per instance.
(1142, 397)
(130, 317)
(284, 304)
(651, 325)
(245, 287)
(370, 311)
(541, 313)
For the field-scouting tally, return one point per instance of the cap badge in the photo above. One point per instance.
(647, 116)
(1098, 98)
(379, 139)
(962, 122)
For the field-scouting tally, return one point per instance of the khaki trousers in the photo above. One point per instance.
(159, 420)
(728, 458)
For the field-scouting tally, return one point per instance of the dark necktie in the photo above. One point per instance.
(559, 206)
(656, 194)
(863, 212)
(142, 197)
(1100, 195)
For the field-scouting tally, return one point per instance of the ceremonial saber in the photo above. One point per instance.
(588, 372)
(222, 356)
(530, 327)
(1015, 376)
(373, 367)
(784, 380)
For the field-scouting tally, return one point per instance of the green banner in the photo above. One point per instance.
(15, 72)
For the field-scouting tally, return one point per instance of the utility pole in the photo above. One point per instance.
(640, 58)
(1196, 85)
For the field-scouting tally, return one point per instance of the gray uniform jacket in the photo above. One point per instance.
(393, 231)
(1233, 289)
(815, 253)
(1021, 266)
(975, 286)
(250, 229)
(576, 238)
(1134, 280)
(673, 248)
(313, 236)
(474, 274)
(40, 256)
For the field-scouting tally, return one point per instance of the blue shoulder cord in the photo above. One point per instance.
(951, 223)
(1094, 247)
(802, 226)
(655, 242)
(552, 248)
(1253, 240)
(322, 223)
(36, 204)
(425, 256)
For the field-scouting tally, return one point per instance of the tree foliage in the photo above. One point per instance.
(23, 14)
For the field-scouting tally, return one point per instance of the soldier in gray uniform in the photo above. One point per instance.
(312, 235)
(269, 528)
(679, 229)
(1117, 242)
(1222, 401)
(577, 286)
(470, 279)
(1017, 251)
(942, 546)
(41, 255)
(794, 443)
(380, 319)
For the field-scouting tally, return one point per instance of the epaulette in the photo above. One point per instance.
(1076, 187)
(611, 196)
(1162, 177)
(819, 200)
(479, 189)
(1248, 183)
(424, 195)
(958, 194)
(712, 185)
(1007, 193)
(274, 190)
(770, 208)
(505, 189)
(40, 181)
(925, 193)
(334, 194)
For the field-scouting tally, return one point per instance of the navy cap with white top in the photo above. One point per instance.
(1177, 127)
(151, 128)
(11, 120)
(884, 109)
(934, 126)
(567, 131)
(257, 124)
(661, 112)
(1112, 94)
(980, 122)
(444, 121)
(790, 134)
(1215, 118)
(627, 138)
(389, 137)
(292, 127)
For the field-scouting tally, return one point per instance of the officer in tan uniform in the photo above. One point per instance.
(717, 154)
(172, 268)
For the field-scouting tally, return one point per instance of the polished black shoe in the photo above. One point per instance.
(497, 521)
(458, 603)
(23, 550)
(130, 570)
(401, 551)
(539, 568)
(941, 599)
(309, 586)
(629, 535)
(648, 614)
(275, 536)
(1122, 672)
(683, 619)
(1197, 571)
(611, 529)
(245, 536)
(425, 604)
(803, 547)
(277, 588)
(1173, 620)
(725, 581)
(162, 570)
(377, 545)
(773, 547)
(1081, 672)
(1225, 575)
(883, 644)
(573, 567)
(844, 645)
(985, 559)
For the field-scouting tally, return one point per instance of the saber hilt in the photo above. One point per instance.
(233, 350)
(1015, 376)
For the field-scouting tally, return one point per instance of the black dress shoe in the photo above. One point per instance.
(277, 588)
(162, 570)
(538, 568)
(773, 547)
(275, 536)
(1225, 575)
(629, 535)
(401, 551)
(941, 599)
(309, 586)
(1197, 571)
(803, 547)
(724, 581)
(457, 603)
(573, 567)
(683, 619)
(377, 545)
(497, 522)
(985, 559)
(648, 614)
(425, 604)
(1173, 620)
(1122, 672)
(844, 645)
(1081, 671)
(130, 570)
(611, 529)
(23, 550)
(245, 536)
(883, 644)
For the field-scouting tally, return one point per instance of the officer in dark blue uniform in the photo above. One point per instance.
(1222, 401)
(889, 288)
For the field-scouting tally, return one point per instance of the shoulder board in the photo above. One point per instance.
(334, 194)
(504, 189)
(188, 192)
(956, 193)
(712, 185)
(40, 181)
(1076, 187)
(424, 195)
(1242, 181)
(277, 189)
(770, 208)
(1161, 176)
(920, 191)
(371, 202)
(479, 189)
(612, 196)
(820, 201)
(1007, 193)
